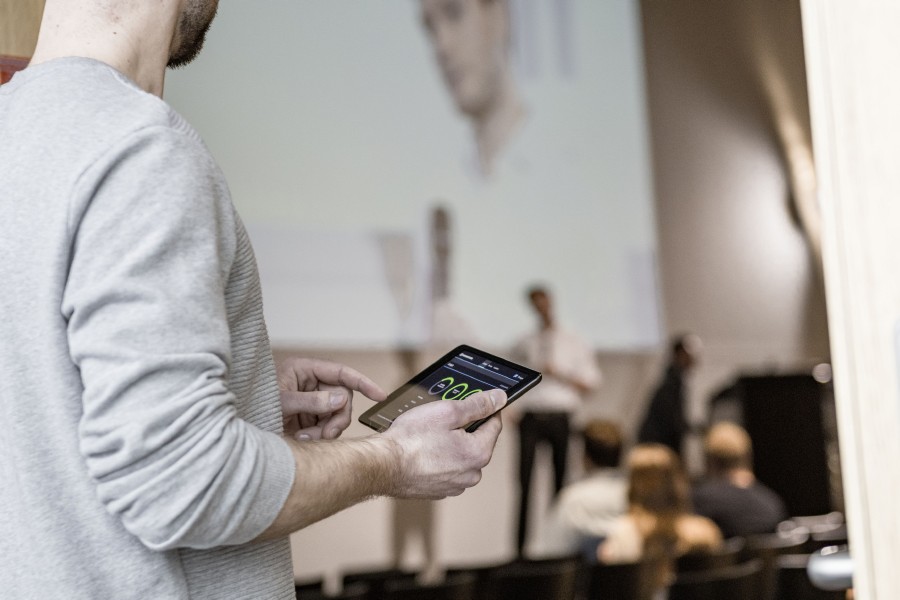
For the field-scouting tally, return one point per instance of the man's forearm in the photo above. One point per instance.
(331, 476)
(426, 453)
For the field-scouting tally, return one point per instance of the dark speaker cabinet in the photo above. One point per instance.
(790, 419)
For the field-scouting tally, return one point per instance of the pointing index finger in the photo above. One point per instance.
(337, 374)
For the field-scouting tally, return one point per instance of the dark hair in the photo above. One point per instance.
(680, 344)
(688, 343)
(536, 289)
(603, 443)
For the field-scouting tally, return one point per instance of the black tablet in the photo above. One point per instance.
(461, 372)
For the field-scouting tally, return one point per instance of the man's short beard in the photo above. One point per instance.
(192, 28)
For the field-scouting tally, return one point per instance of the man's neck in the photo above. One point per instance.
(130, 37)
(495, 126)
(742, 478)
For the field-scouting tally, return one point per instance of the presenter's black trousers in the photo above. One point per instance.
(535, 428)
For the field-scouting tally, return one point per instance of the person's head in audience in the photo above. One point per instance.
(659, 515)
(686, 351)
(470, 40)
(602, 445)
(542, 303)
(730, 495)
(656, 483)
(729, 451)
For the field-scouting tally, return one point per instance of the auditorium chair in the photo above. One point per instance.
(308, 587)
(737, 582)
(459, 586)
(376, 579)
(626, 581)
(355, 591)
(727, 555)
(552, 579)
(767, 548)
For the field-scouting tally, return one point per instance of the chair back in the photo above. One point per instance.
(626, 581)
(308, 587)
(813, 522)
(727, 555)
(481, 574)
(555, 579)
(768, 547)
(823, 530)
(354, 591)
(738, 582)
(376, 579)
(460, 586)
(776, 544)
(822, 538)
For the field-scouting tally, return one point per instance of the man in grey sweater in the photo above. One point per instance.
(141, 451)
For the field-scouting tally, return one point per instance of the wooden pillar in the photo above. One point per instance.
(853, 70)
(19, 24)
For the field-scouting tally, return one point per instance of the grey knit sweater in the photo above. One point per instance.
(139, 412)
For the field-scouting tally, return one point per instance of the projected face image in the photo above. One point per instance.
(469, 39)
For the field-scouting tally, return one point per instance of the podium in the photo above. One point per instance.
(791, 421)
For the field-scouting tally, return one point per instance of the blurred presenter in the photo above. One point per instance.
(570, 372)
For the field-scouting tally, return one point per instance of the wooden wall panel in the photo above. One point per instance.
(19, 23)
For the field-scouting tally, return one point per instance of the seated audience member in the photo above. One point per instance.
(658, 526)
(730, 495)
(585, 510)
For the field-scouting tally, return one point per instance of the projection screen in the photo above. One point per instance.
(406, 169)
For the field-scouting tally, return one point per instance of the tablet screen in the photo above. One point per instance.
(458, 374)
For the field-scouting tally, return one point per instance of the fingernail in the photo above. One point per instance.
(303, 437)
(495, 398)
(336, 400)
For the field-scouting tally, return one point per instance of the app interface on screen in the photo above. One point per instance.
(465, 374)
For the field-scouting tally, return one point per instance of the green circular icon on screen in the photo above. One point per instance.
(451, 391)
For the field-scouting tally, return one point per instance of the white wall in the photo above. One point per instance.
(734, 265)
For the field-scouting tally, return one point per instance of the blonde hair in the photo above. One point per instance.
(727, 446)
(658, 498)
(656, 481)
